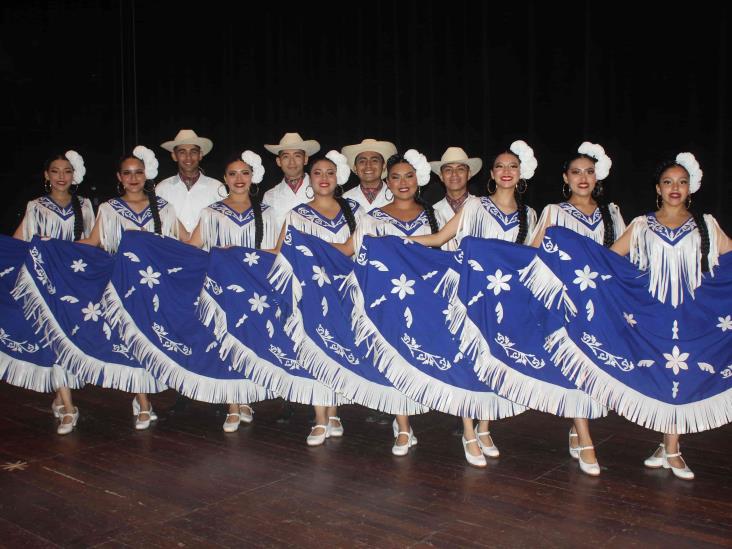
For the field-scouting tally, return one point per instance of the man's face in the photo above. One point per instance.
(292, 162)
(455, 176)
(368, 166)
(188, 157)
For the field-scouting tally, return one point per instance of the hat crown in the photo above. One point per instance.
(290, 138)
(185, 134)
(454, 154)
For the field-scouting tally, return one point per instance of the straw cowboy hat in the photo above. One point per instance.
(455, 155)
(189, 137)
(384, 148)
(295, 142)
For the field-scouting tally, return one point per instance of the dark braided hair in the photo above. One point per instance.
(342, 202)
(428, 209)
(698, 218)
(75, 202)
(520, 206)
(608, 224)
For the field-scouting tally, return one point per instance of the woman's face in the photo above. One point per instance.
(132, 175)
(60, 174)
(580, 176)
(506, 171)
(673, 186)
(323, 178)
(402, 181)
(238, 177)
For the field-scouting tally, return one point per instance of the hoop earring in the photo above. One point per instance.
(566, 191)
(495, 187)
(688, 202)
(521, 186)
(338, 191)
(120, 188)
(226, 190)
(388, 195)
(47, 186)
(309, 192)
(74, 188)
(598, 191)
(659, 201)
(254, 194)
(418, 194)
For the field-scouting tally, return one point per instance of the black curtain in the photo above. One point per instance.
(642, 79)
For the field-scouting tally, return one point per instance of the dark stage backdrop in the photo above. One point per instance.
(644, 80)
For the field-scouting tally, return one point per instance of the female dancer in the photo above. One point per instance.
(333, 219)
(504, 216)
(238, 220)
(138, 208)
(407, 215)
(679, 249)
(63, 214)
(584, 214)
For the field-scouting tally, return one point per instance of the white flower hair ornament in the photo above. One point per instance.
(526, 157)
(254, 161)
(687, 161)
(419, 162)
(148, 159)
(343, 171)
(77, 162)
(602, 160)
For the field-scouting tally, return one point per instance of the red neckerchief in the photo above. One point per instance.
(189, 181)
(295, 184)
(457, 203)
(371, 194)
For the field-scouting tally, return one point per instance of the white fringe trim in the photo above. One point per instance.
(417, 385)
(209, 310)
(43, 379)
(186, 382)
(70, 357)
(653, 414)
(475, 220)
(545, 286)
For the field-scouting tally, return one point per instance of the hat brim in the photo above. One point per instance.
(205, 144)
(310, 147)
(384, 148)
(473, 164)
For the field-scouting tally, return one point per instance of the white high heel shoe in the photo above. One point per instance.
(395, 429)
(684, 472)
(57, 409)
(655, 461)
(573, 452)
(142, 424)
(232, 426)
(246, 414)
(66, 428)
(317, 440)
(475, 461)
(403, 449)
(490, 451)
(335, 431)
(592, 469)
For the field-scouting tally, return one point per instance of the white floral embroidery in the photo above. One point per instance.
(149, 277)
(320, 276)
(585, 278)
(629, 319)
(402, 286)
(725, 323)
(78, 265)
(498, 282)
(676, 360)
(251, 258)
(92, 311)
(259, 303)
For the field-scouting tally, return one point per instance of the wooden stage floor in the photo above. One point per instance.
(186, 483)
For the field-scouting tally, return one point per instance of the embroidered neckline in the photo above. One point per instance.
(227, 211)
(407, 227)
(333, 225)
(507, 221)
(672, 236)
(590, 221)
(143, 218)
(50, 204)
